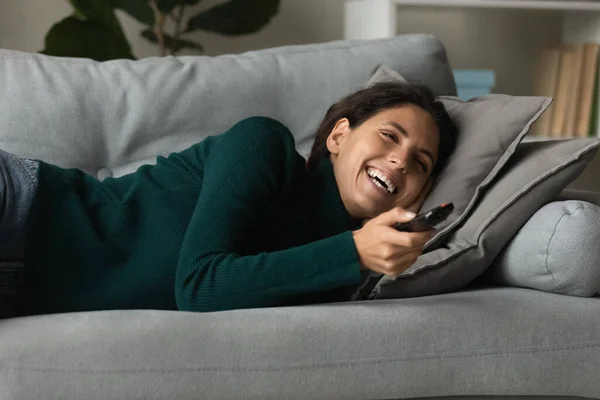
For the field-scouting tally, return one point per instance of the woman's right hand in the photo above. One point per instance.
(383, 249)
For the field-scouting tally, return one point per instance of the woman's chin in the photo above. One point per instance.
(370, 210)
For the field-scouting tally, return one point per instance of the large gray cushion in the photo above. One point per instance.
(533, 176)
(490, 128)
(109, 118)
(503, 341)
(557, 250)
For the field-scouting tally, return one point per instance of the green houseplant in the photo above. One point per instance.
(94, 31)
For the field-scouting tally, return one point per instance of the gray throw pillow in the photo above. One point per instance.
(555, 251)
(535, 174)
(490, 127)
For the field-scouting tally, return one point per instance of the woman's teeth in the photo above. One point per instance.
(381, 180)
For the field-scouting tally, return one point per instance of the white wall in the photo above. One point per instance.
(503, 40)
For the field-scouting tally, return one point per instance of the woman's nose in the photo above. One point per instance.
(398, 160)
(399, 164)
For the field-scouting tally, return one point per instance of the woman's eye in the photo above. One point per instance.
(389, 135)
(422, 165)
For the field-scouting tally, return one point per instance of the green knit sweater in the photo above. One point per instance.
(235, 221)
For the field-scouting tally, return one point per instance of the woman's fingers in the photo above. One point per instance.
(400, 263)
(408, 240)
(392, 217)
(383, 249)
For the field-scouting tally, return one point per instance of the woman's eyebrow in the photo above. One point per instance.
(404, 133)
(398, 127)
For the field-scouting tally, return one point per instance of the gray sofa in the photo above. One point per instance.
(109, 118)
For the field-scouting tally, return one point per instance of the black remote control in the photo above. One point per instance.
(427, 220)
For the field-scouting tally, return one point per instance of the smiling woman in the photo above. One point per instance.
(376, 152)
(240, 219)
(386, 142)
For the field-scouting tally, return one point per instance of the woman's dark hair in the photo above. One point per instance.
(362, 105)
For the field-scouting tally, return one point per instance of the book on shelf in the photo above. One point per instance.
(569, 74)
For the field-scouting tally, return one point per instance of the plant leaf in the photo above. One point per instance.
(72, 37)
(166, 6)
(138, 9)
(99, 10)
(236, 17)
(179, 44)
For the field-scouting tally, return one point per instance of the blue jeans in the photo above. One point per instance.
(18, 184)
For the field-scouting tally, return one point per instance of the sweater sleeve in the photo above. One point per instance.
(244, 173)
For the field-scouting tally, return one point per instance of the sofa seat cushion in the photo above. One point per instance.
(495, 341)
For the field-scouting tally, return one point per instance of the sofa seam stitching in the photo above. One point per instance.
(552, 237)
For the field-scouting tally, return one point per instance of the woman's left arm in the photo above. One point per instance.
(244, 174)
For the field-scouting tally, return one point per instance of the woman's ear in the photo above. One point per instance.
(337, 136)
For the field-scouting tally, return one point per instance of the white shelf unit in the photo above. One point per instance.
(512, 56)
(372, 19)
(516, 30)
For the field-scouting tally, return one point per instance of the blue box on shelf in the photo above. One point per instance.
(474, 82)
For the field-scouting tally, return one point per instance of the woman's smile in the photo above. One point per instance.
(393, 152)
(382, 179)
(375, 187)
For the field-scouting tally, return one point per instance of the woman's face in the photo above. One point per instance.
(386, 161)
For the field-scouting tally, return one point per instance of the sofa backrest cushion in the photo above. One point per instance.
(108, 118)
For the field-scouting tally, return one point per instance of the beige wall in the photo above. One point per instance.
(506, 41)
(24, 23)
(503, 40)
(298, 22)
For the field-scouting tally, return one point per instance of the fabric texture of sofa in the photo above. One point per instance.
(109, 118)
